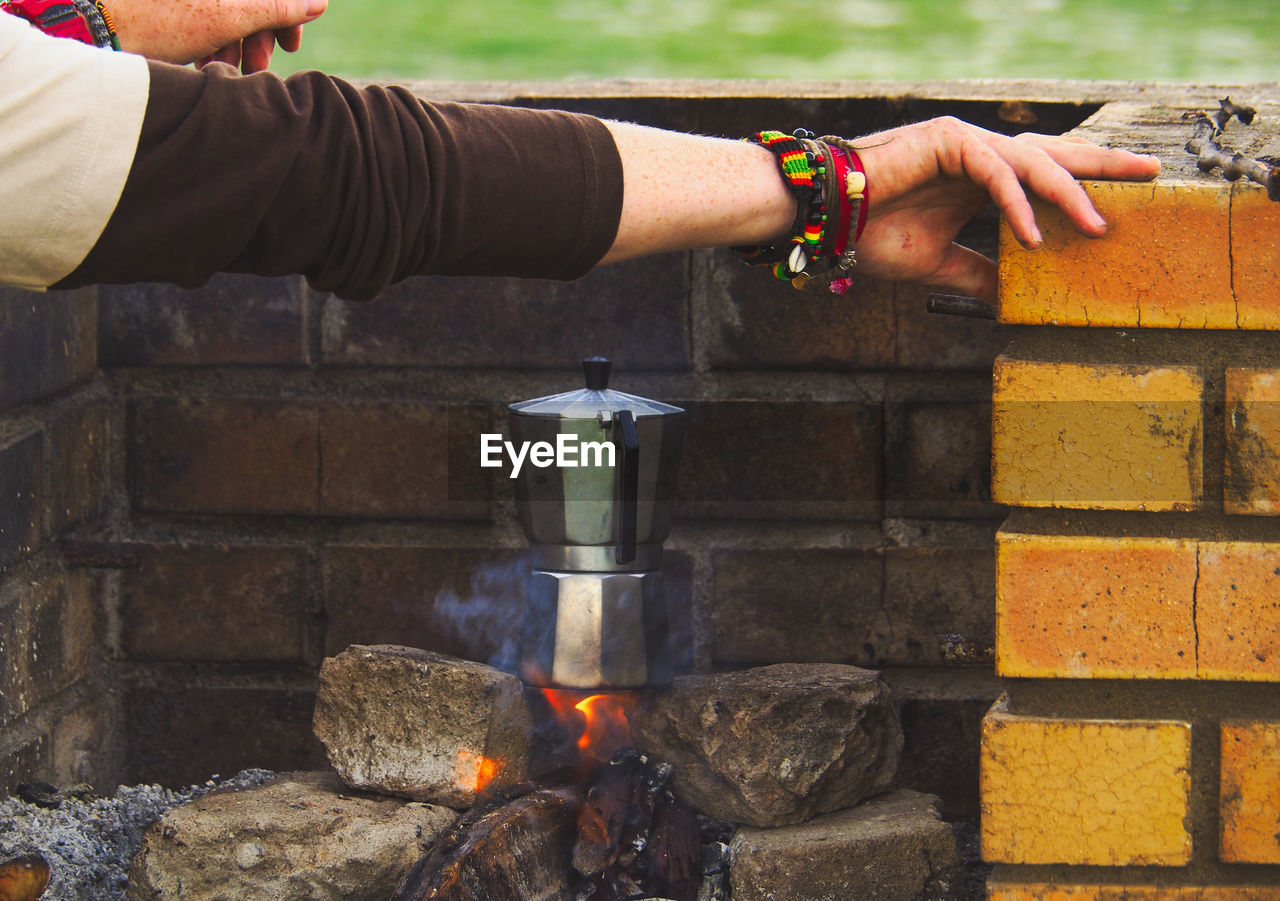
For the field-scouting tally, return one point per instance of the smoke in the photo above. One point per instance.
(487, 622)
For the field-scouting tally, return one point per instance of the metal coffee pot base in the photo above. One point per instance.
(592, 630)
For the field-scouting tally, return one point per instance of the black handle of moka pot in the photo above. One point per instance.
(626, 550)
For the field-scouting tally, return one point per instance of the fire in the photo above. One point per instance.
(476, 770)
(602, 718)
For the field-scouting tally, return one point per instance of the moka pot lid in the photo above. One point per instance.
(596, 398)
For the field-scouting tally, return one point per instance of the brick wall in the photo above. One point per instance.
(57, 721)
(216, 488)
(1135, 753)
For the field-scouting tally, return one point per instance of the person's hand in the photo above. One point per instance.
(925, 181)
(240, 32)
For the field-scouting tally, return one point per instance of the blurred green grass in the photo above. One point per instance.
(1175, 40)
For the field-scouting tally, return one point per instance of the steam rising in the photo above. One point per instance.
(488, 621)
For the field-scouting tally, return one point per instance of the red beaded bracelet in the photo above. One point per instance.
(81, 20)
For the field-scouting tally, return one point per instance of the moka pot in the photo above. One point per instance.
(596, 516)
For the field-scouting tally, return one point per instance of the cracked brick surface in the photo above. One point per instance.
(1130, 607)
(1187, 251)
(1250, 792)
(1099, 436)
(1092, 792)
(1252, 468)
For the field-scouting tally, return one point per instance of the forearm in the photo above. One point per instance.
(684, 191)
(354, 188)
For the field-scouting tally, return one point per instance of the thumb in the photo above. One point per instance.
(965, 271)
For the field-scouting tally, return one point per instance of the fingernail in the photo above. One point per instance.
(1098, 222)
(316, 7)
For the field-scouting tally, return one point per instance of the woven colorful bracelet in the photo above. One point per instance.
(821, 177)
(86, 21)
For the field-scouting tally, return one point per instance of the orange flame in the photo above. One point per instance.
(476, 770)
(603, 719)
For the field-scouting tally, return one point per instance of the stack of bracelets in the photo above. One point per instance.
(80, 20)
(830, 186)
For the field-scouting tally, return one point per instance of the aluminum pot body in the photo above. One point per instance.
(574, 515)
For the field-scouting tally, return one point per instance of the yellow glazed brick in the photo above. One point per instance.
(1113, 437)
(1090, 792)
(1252, 483)
(1238, 611)
(1164, 262)
(1043, 891)
(1250, 792)
(1255, 257)
(1085, 606)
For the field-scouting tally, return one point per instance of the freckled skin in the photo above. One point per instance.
(239, 32)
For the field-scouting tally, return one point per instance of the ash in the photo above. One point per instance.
(90, 843)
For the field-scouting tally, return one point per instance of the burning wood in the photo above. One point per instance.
(634, 839)
(1210, 154)
(502, 848)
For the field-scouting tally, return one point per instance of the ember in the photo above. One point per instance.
(476, 770)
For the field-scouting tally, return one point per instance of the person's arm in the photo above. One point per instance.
(925, 181)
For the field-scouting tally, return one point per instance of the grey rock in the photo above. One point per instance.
(774, 745)
(892, 848)
(302, 835)
(422, 725)
(90, 842)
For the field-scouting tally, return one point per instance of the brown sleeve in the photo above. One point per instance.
(354, 188)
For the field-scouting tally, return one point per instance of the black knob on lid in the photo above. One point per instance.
(596, 371)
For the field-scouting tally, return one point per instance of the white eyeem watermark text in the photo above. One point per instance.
(569, 452)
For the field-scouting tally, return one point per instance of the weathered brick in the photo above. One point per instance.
(15, 673)
(390, 595)
(893, 846)
(1255, 260)
(1164, 263)
(1094, 607)
(940, 750)
(234, 319)
(1115, 436)
(931, 341)
(47, 342)
(1044, 891)
(391, 460)
(77, 449)
(181, 736)
(21, 496)
(1238, 610)
(78, 752)
(813, 606)
(1252, 482)
(465, 602)
(869, 607)
(1092, 792)
(61, 638)
(226, 456)
(635, 313)
(1250, 792)
(781, 460)
(245, 603)
(756, 321)
(938, 459)
(28, 762)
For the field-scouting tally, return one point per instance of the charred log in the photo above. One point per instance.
(634, 839)
(518, 849)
